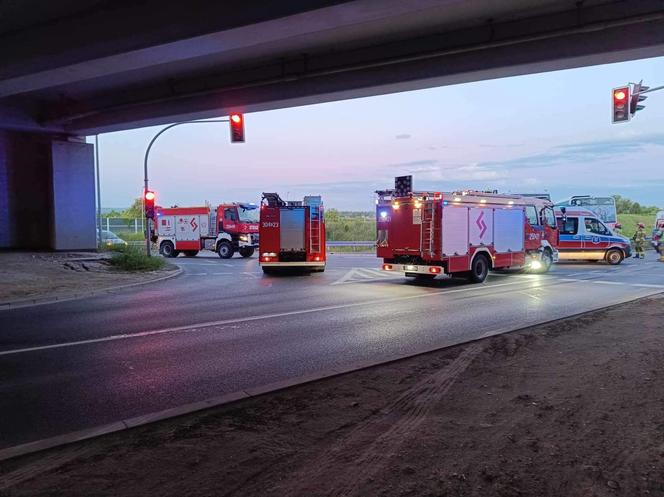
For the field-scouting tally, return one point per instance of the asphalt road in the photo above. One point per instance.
(223, 327)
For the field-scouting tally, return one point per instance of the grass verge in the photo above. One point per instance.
(131, 237)
(134, 259)
(630, 221)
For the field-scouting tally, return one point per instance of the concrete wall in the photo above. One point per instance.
(5, 238)
(40, 198)
(73, 194)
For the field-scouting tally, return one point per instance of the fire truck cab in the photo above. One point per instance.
(229, 228)
(466, 233)
(236, 226)
(292, 234)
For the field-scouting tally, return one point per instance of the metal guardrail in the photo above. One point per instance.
(141, 243)
(351, 244)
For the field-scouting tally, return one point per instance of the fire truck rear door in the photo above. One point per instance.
(292, 229)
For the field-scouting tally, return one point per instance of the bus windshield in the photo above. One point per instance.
(603, 207)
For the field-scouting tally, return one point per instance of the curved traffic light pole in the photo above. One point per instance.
(145, 170)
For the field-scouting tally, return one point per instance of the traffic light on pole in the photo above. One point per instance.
(620, 98)
(148, 202)
(637, 97)
(237, 128)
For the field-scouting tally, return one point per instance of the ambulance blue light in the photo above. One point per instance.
(383, 214)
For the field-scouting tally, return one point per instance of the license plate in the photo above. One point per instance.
(410, 268)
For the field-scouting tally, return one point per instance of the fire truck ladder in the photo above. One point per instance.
(428, 227)
(314, 228)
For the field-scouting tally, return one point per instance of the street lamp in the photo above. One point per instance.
(145, 166)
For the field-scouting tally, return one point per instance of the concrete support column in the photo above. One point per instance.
(47, 192)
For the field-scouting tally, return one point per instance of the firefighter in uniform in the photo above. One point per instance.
(639, 240)
(618, 229)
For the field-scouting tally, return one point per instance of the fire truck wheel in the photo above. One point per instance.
(614, 257)
(247, 252)
(167, 249)
(191, 253)
(479, 269)
(225, 250)
(547, 261)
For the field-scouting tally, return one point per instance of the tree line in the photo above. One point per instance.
(627, 206)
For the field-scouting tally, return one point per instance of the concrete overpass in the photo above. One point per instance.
(74, 68)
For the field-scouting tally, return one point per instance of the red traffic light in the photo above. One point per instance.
(148, 203)
(237, 128)
(620, 104)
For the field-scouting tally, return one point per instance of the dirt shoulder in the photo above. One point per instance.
(573, 408)
(36, 275)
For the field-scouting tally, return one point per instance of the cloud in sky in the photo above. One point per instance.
(403, 136)
(583, 153)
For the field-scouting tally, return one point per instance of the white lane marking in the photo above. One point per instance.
(228, 265)
(605, 282)
(380, 273)
(358, 274)
(208, 324)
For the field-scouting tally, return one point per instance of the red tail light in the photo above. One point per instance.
(434, 270)
(387, 267)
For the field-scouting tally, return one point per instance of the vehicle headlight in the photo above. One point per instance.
(244, 238)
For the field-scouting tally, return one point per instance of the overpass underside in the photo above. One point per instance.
(76, 68)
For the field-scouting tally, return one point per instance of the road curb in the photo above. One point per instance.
(174, 412)
(18, 304)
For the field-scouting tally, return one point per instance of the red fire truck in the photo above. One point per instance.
(292, 234)
(466, 233)
(229, 228)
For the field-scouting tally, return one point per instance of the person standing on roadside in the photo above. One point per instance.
(639, 240)
(658, 236)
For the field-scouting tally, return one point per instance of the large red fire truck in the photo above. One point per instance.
(229, 228)
(292, 234)
(465, 233)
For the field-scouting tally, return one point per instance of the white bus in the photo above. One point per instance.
(603, 207)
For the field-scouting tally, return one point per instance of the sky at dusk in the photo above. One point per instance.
(548, 132)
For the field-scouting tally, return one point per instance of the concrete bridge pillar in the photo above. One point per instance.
(47, 192)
